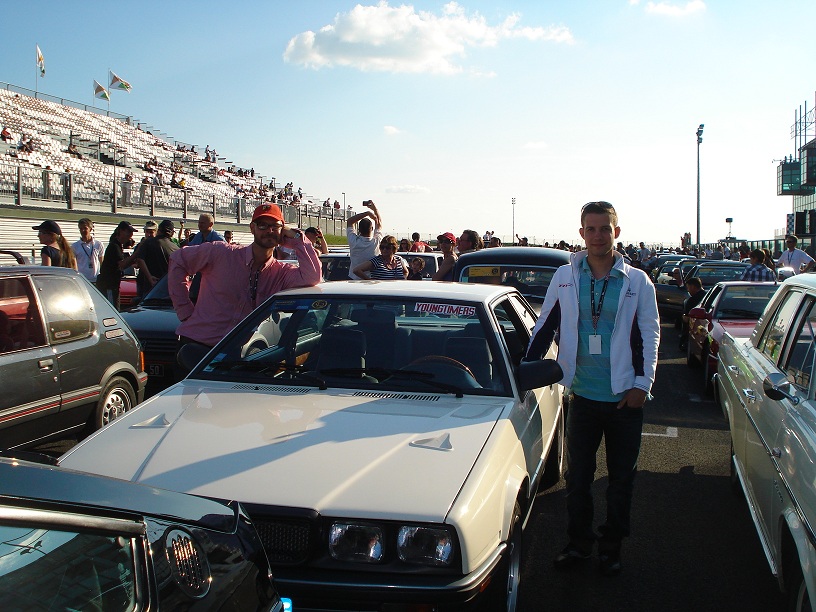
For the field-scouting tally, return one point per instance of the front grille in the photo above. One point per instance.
(285, 541)
(161, 346)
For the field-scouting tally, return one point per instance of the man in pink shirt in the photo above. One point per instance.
(235, 278)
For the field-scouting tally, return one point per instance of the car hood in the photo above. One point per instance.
(340, 452)
(738, 328)
(155, 320)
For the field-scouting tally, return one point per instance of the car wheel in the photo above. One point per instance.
(117, 398)
(504, 587)
(796, 587)
(554, 464)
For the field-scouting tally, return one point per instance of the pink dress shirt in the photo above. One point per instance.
(224, 298)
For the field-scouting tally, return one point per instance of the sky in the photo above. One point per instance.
(445, 113)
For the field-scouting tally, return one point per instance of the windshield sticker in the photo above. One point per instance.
(320, 305)
(484, 271)
(291, 305)
(446, 309)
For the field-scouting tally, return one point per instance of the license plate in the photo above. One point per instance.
(155, 369)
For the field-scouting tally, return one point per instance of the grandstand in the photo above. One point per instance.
(110, 157)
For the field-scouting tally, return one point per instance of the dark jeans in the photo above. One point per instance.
(587, 422)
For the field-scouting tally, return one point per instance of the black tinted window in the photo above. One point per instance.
(20, 322)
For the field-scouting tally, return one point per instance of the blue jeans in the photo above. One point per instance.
(587, 422)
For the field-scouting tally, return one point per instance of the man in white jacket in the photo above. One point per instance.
(603, 313)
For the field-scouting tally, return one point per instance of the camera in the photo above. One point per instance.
(367, 202)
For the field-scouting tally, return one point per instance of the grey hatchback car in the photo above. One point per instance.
(69, 362)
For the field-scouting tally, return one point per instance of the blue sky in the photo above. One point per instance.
(443, 112)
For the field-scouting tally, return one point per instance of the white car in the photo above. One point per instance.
(387, 442)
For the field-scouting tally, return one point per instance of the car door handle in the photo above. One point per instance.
(776, 452)
(45, 364)
(749, 395)
(734, 369)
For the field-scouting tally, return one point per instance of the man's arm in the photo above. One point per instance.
(352, 221)
(185, 263)
(376, 215)
(445, 267)
(309, 271)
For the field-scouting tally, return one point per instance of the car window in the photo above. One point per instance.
(515, 330)
(379, 344)
(531, 281)
(710, 296)
(799, 366)
(744, 301)
(67, 308)
(20, 322)
(50, 569)
(770, 344)
(712, 275)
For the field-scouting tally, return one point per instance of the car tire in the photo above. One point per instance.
(554, 463)
(504, 587)
(796, 588)
(117, 398)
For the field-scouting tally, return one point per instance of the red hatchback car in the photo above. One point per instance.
(732, 306)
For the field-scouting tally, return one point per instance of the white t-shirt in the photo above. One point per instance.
(88, 257)
(794, 259)
(361, 248)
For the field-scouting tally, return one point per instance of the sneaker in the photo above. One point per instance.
(570, 557)
(609, 563)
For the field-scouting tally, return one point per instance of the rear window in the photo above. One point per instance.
(531, 281)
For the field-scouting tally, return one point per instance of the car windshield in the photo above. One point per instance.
(531, 281)
(159, 293)
(717, 274)
(354, 342)
(744, 301)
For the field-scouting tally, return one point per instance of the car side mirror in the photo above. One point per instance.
(191, 354)
(777, 387)
(699, 313)
(538, 373)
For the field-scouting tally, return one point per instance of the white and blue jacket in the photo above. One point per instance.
(635, 338)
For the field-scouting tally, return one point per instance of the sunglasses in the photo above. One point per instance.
(265, 226)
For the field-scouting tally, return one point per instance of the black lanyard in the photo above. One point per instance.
(596, 316)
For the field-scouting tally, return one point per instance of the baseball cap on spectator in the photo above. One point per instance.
(167, 227)
(447, 236)
(268, 211)
(150, 225)
(48, 226)
(125, 225)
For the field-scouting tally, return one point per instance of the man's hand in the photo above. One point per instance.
(288, 232)
(368, 204)
(635, 398)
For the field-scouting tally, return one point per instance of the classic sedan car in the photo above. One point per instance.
(765, 386)
(388, 442)
(75, 541)
(528, 269)
(732, 306)
(69, 361)
(670, 297)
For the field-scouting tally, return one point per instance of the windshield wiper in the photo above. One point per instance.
(381, 373)
(299, 372)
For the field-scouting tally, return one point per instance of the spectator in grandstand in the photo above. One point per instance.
(115, 262)
(150, 228)
(446, 243)
(74, 151)
(417, 246)
(56, 251)
(228, 237)
(318, 241)
(206, 233)
(224, 298)
(364, 241)
(6, 134)
(385, 266)
(415, 271)
(67, 182)
(88, 250)
(143, 189)
(26, 144)
(470, 241)
(127, 189)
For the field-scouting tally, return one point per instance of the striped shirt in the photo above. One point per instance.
(381, 272)
(758, 272)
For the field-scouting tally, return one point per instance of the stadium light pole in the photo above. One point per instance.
(513, 237)
(699, 140)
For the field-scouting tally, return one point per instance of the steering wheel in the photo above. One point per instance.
(441, 359)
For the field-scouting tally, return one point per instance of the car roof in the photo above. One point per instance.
(474, 292)
(37, 270)
(532, 256)
(806, 280)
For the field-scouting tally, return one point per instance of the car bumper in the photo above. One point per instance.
(322, 591)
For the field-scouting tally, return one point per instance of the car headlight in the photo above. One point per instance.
(356, 542)
(425, 545)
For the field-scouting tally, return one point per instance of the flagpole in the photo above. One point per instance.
(36, 70)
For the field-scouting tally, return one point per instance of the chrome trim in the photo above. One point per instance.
(81, 522)
(763, 539)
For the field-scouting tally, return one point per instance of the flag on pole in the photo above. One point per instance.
(118, 83)
(100, 92)
(40, 61)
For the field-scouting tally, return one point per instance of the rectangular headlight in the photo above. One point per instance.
(356, 542)
(425, 545)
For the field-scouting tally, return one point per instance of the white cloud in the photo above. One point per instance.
(390, 130)
(401, 39)
(407, 189)
(538, 145)
(675, 10)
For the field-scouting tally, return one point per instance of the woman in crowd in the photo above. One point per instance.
(385, 266)
(404, 246)
(56, 251)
